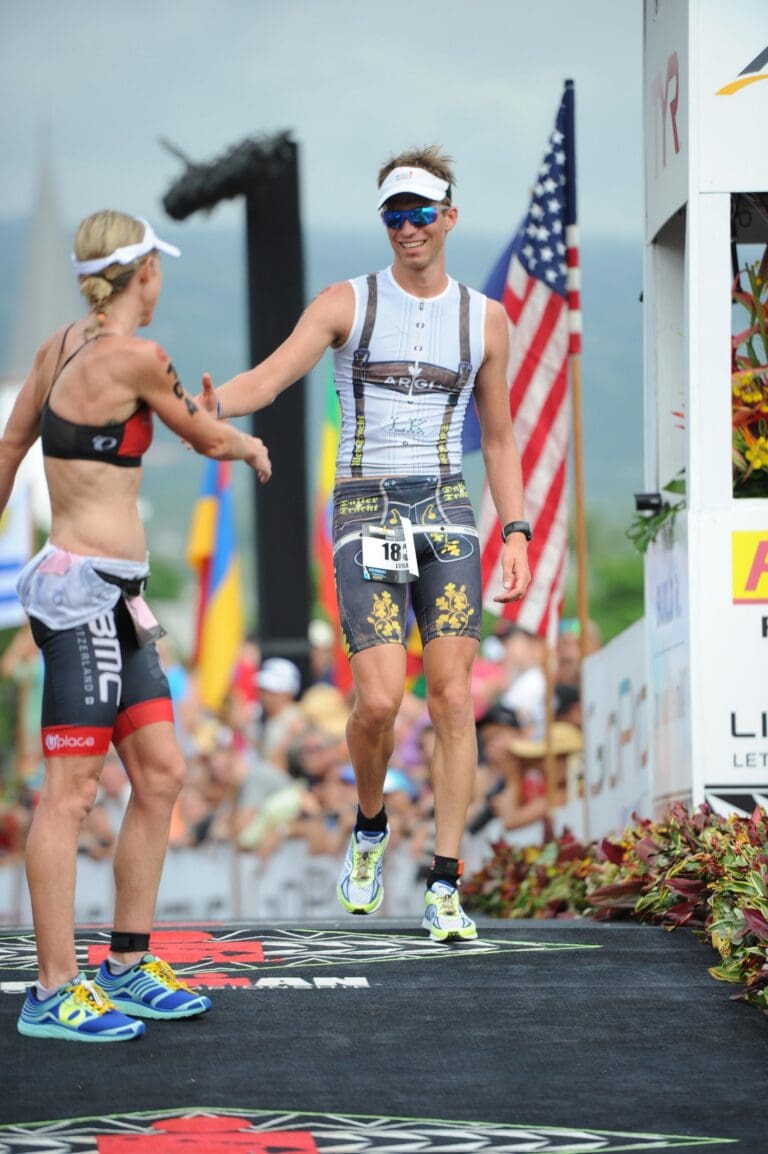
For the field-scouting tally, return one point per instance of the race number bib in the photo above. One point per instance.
(389, 553)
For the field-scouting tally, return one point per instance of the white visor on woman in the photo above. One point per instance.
(127, 253)
(417, 181)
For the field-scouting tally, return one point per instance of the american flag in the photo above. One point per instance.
(537, 281)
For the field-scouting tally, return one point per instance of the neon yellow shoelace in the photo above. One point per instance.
(91, 998)
(363, 866)
(163, 972)
(448, 904)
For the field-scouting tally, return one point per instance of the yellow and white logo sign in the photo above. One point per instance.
(754, 71)
(750, 568)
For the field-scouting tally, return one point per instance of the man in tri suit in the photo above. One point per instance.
(410, 347)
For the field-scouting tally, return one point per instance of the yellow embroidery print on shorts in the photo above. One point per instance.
(456, 610)
(456, 491)
(443, 544)
(384, 617)
(348, 505)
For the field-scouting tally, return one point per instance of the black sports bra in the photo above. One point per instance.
(121, 444)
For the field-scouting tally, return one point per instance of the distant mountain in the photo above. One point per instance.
(202, 323)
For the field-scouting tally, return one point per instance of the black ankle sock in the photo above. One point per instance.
(445, 869)
(377, 824)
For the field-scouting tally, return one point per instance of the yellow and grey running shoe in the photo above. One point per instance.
(444, 917)
(360, 888)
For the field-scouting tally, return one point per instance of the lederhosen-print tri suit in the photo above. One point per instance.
(404, 378)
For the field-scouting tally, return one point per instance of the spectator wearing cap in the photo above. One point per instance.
(321, 745)
(544, 776)
(321, 651)
(279, 682)
(326, 708)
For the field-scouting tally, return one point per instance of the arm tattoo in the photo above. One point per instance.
(178, 389)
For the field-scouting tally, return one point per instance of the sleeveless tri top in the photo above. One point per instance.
(404, 378)
(122, 443)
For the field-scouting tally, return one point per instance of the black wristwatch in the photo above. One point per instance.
(516, 527)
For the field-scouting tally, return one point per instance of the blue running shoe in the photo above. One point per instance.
(444, 917)
(150, 989)
(77, 1012)
(360, 889)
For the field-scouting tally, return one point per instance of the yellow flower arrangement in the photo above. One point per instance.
(749, 383)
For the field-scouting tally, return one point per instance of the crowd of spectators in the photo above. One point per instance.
(272, 763)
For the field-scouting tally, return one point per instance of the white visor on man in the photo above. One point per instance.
(416, 181)
(127, 253)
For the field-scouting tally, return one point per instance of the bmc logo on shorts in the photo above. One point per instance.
(68, 742)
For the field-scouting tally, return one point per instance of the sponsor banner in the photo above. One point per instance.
(665, 112)
(749, 553)
(220, 1131)
(706, 605)
(617, 733)
(729, 94)
(705, 80)
(729, 652)
(667, 617)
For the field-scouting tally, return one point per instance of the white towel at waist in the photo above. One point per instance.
(64, 589)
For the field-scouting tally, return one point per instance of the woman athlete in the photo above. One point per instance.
(90, 396)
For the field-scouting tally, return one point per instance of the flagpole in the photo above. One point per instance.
(577, 429)
(580, 525)
(580, 541)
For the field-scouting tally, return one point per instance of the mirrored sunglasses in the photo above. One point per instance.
(425, 214)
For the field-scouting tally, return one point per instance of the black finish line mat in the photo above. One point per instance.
(362, 1035)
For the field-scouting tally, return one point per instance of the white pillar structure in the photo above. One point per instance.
(706, 573)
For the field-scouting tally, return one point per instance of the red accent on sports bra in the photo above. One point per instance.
(121, 444)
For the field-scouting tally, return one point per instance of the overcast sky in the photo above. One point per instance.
(352, 81)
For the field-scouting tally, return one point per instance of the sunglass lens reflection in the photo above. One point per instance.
(418, 217)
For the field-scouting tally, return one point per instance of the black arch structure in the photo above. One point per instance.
(265, 172)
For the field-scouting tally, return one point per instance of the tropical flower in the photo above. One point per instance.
(700, 870)
(749, 383)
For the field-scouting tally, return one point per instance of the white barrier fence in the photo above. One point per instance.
(215, 883)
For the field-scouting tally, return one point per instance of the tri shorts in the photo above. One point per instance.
(99, 684)
(446, 597)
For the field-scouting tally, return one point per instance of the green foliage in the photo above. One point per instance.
(167, 578)
(646, 527)
(697, 870)
(614, 579)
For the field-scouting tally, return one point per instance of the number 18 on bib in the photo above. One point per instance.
(389, 553)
